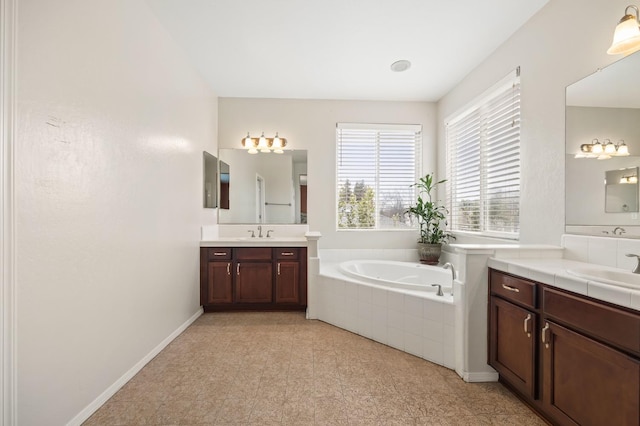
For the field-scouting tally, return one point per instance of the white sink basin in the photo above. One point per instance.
(607, 276)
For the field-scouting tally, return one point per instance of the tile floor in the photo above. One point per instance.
(280, 369)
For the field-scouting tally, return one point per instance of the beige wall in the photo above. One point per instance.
(112, 122)
(566, 41)
(311, 125)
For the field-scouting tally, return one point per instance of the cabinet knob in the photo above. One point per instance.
(228, 268)
(286, 253)
(219, 253)
(278, 268)
(238, 269)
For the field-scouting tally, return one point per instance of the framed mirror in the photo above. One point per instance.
(263, 188)
(210, 177)
(602, 106)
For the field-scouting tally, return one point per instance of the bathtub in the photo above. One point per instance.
(391, 302)
(399, 275)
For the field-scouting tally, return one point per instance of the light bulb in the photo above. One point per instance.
(609, 147)
(263, 144)
(247, 142)
(597, 147)
(626, 38)
(277, 143)
(623, 149)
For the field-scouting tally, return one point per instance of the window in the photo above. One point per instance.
(483, 163)
(376, 165)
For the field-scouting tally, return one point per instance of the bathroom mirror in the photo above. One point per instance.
(210, 173)
(263, 188)
(604, 105)
(621, 190)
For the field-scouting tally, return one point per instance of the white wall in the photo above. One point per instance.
(564, 42)
(311, 125)
(111, 128)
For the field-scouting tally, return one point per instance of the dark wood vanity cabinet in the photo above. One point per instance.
(581, 363)
(253, 278)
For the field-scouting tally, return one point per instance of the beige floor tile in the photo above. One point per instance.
(271, 368)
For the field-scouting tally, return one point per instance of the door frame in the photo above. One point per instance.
(8, 306)
(260, 199)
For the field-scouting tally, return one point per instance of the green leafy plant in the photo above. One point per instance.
(430, 215)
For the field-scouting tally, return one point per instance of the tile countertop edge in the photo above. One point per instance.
(554, 273)
(264, 242)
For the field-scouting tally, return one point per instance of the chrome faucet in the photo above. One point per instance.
(439, 292)
(618, 228)
(448, 265)
(259, 231)
(637, 268)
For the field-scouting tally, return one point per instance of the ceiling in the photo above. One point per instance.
(339, 49)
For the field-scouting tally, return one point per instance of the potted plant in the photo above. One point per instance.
(432, 220)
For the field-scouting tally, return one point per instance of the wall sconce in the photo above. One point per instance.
(626, 38)
(603, 151)
(264, 144)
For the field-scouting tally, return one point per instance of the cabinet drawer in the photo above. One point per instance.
(252, 253)
(286, 253)
(218, 253)
(512, 288)
(607, 323)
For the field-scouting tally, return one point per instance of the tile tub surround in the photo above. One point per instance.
(280, 369)
(604, 251)
(419, 324)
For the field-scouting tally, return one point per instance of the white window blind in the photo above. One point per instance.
(483, 163)
(376, 165)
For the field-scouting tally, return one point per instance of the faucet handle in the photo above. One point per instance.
(637, 268)
(269, 231)
(252, 234)
(439, 292)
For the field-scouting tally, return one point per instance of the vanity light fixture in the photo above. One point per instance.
(264, 144)
(626, 38)
(603, 151)
(629, 179)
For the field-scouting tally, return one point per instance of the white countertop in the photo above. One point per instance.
(554, 272)
(255, 242)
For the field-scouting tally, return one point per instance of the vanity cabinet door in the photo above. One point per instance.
(220, 283)
(512, 344)
(254, 282)
(586, 382)
(287, 282)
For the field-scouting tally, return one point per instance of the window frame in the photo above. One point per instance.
(481, 106)
(378, 128)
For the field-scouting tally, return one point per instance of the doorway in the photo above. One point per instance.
(260, 210)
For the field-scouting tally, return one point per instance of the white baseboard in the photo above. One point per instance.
(480, 377)
(111, 390)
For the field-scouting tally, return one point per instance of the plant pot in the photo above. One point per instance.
(429, 253)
